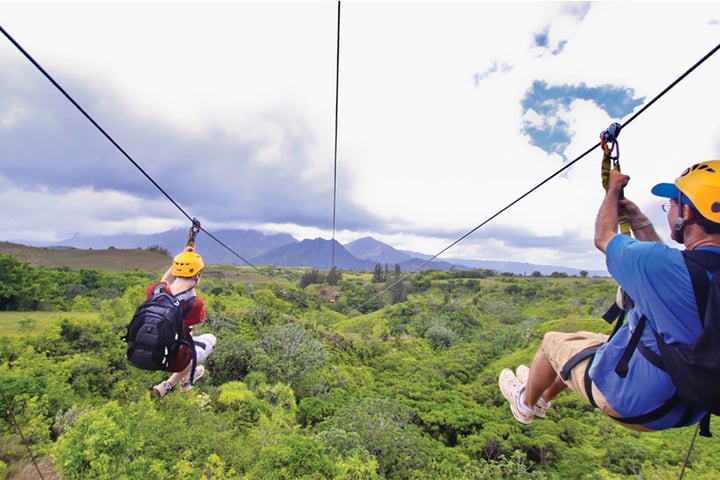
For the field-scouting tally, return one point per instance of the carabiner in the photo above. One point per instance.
(194, 229)
(609, 142)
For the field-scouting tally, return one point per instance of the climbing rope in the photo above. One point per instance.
(687, 457)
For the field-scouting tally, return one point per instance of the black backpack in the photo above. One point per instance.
(694, 368)
(157, 331)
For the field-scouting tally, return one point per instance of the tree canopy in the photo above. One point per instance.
(299, 387)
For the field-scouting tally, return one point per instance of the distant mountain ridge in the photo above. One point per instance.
(282, 249)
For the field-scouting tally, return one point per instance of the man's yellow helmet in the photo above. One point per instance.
(187, 264)
(700, 184)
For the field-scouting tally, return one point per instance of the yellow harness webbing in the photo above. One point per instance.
(609, 144)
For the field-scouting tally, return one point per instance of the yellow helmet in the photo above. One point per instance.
(701, 185)
(187, 264)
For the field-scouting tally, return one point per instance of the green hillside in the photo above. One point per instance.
(343, 381)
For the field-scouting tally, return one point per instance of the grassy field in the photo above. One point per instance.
(116, 260)
(22, 323)
(110, 260)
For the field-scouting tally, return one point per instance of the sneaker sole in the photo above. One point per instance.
(157, 393)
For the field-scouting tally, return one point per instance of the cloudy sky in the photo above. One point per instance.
(447, 112)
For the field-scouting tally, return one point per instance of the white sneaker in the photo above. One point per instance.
(185, 385)
(541, 407)
(512, 390)
(162, 388)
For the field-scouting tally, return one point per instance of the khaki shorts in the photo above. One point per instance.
(560, 347)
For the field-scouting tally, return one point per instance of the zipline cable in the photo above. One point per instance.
(90, 119)
(337, 90)
(558, 172)
(112, 140)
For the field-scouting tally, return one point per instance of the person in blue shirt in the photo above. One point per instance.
(655, 277)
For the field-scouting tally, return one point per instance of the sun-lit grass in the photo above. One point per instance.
(22, 323)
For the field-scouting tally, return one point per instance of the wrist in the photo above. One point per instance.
(639, 226)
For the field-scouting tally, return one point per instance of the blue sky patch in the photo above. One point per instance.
(547, 101)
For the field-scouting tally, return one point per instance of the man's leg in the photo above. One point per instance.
(542, 381)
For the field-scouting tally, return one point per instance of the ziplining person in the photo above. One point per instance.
(634, 389)
(160, 334)
(183, 276)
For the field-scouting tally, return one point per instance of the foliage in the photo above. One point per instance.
(299, 388)
(310, 277)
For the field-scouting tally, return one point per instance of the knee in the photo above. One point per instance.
(208, 338)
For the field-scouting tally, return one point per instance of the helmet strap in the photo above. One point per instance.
(680, 222)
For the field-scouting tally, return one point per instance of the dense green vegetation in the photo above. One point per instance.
(342, 381)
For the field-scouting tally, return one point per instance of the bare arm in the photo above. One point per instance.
(167, 276)
(640, 224)
(606, 222)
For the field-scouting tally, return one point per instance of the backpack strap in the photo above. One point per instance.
(187, 300)
(698, 263)
(159, 288)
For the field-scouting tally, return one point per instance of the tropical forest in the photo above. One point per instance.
(316, 375)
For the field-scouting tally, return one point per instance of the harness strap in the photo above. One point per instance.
(659, 412)
(651, 356)
(705, 426)
(575, 359)
(614, 313)
(622, 366)
(573, 362)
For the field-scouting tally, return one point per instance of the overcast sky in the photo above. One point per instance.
(447, 113)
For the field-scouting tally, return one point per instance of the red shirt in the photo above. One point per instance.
(193, 314)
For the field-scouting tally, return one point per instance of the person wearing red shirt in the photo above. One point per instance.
(183, 276)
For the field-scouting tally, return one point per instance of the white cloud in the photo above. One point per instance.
(430, 137)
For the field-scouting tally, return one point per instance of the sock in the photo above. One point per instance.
(521, 404)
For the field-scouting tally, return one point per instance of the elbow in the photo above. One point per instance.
(601, 241)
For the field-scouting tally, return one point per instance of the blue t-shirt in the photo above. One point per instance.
(655, 277)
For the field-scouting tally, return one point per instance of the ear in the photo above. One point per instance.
(688, 213)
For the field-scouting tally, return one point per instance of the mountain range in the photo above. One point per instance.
(242, 247)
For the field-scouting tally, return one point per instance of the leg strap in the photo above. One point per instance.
(573, 362)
